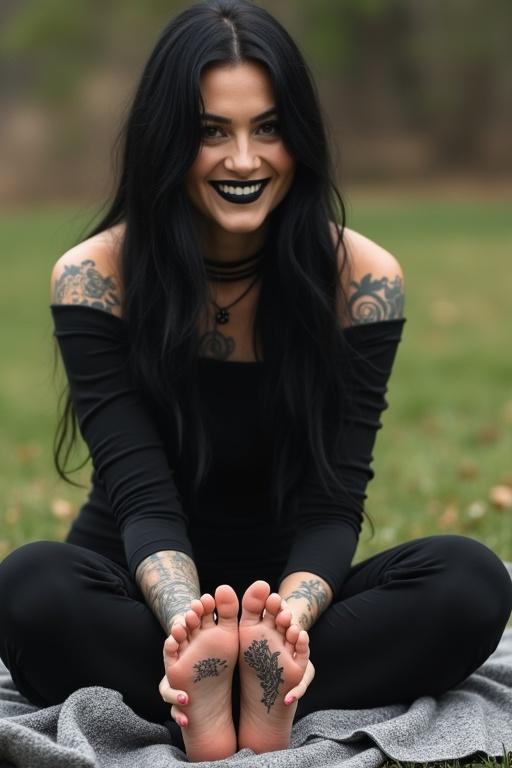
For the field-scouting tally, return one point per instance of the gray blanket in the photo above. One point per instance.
(94, 727)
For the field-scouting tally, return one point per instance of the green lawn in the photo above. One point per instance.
(447, 436)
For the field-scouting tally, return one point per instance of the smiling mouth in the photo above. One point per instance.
(239, 193)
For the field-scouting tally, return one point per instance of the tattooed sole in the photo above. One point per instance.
(265, 663)
(209, 668)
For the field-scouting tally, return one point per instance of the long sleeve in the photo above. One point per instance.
(327, 530)
(126, 449)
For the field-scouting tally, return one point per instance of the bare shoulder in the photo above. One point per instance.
(89, 273)
(373, 280)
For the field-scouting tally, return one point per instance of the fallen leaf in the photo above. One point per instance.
(449, 517)
(476, 509)
(12, 515)
(488, 434)
(27, 452)
(430, 424)
(501, 496)
(62, 509)
(467, 469)
(433, 508)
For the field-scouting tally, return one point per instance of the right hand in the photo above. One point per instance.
(169, 694)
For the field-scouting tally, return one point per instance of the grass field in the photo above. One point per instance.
(446, 442)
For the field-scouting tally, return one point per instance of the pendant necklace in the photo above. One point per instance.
(231, 271)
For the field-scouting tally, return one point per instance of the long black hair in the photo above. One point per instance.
(162, 267)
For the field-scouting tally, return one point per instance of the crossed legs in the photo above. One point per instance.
(414, 620)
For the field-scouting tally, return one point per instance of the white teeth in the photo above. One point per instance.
(240, 190)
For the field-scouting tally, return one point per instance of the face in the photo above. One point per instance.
(248, 148)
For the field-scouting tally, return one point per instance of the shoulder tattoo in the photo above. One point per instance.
(375, 299)
(85, 285)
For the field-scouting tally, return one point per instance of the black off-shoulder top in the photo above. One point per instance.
(137, 504)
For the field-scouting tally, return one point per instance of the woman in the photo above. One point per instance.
(228, 349)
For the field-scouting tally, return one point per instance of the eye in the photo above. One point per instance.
(273, 124)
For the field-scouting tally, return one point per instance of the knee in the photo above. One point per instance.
(475, 589)
(29, 580)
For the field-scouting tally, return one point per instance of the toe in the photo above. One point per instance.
(192, 620)
(292, 635)
(208, 603)
(197, 606)
(302, 646)
(272, 608)
(180, 634)
(226, 603)
(253, 603)
(283, 620)
(171, 646)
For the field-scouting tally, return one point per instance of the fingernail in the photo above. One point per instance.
(182, 698)
(290, 699)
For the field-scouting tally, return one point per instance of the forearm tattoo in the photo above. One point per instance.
(169, 582)
(259, 657)
(314, 593)
(209, 668)
(85, 285)
(376, 299)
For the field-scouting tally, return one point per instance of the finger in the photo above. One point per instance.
(171, 695)
(179, 717)
(300, 689)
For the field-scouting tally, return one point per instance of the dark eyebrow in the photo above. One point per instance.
(225, 121)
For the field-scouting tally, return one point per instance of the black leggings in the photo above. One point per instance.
(414, 620)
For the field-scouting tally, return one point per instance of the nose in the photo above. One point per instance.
(243, 159)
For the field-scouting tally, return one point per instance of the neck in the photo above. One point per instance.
(222, 247)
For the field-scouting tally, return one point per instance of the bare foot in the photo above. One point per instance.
(200, 660)
(273, 658)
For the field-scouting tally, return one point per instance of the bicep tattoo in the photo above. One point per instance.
(85, 285)
(376, 299)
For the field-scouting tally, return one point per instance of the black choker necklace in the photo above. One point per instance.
(235, 270)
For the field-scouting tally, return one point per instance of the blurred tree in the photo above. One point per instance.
(436, 74)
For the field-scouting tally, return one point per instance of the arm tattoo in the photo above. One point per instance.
(377, 299)
(312, 591)
(84, 285)
(259, 657)
(169, 583)
(304, 620)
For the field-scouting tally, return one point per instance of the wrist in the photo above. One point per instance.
(306, 595)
